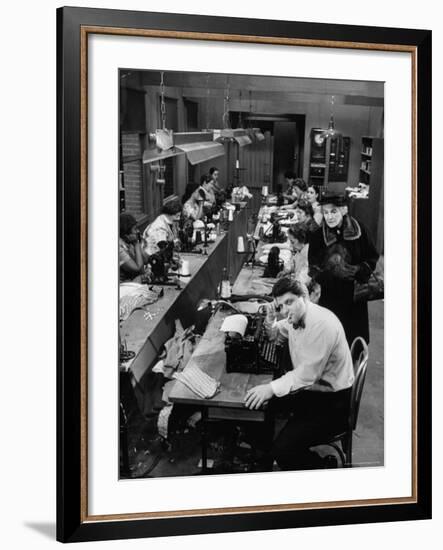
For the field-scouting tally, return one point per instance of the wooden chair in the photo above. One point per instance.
(359, 354)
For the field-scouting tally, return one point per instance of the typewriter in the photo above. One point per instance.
(254, 353)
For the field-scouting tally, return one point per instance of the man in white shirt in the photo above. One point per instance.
(316, 392)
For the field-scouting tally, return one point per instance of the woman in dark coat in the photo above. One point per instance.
(341, 252)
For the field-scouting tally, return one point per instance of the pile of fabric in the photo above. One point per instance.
(136, 296)
(176, 354)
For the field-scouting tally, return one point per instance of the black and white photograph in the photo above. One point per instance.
(251, 273)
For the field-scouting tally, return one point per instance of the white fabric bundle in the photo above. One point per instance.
(198, 381)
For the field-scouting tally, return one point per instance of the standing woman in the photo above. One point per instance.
(341, 252)
(312, 196)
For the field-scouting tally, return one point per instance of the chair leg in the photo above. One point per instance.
(347, 448)
(124, 468)
(340, 453)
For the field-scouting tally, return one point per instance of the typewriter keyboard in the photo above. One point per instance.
(268, 352)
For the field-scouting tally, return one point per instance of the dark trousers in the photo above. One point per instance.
(314, 417)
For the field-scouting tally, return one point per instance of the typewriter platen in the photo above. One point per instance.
(254, 353)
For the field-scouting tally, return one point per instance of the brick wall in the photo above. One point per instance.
(133, 173)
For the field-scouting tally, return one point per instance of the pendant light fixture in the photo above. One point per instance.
(331, 132)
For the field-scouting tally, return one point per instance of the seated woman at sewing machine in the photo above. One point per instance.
(296, 188)
(298, 236)
(163, 228)
(192, 203)
(288, 193)
(304, 213)
(313, 197)
(207, 191)
(131, 256)
(299, 266)
(219, 193)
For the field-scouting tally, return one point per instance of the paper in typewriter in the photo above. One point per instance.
(235, 323)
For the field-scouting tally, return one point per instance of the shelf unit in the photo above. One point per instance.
(329, 159)
(370, 211)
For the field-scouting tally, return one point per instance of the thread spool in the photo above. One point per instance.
(184, 269)
(264, 190)
(225, 289)
(240, 244)
(230, 215)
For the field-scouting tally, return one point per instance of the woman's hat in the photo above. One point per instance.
(335, 199)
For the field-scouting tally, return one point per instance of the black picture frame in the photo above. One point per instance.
(72, 520)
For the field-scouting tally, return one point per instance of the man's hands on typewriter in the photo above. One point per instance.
(258, 395)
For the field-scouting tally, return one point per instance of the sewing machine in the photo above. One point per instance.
(161, 262)
(275, 234)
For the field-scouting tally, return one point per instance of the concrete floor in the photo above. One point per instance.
(149, 456)
(369, 436)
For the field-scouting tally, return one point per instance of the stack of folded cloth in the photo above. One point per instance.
(198, 381)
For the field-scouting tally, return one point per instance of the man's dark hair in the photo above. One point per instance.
(127, 222)
(299, 231)
(212, 170)
(289, 175)
(286, 284)
(204, 179)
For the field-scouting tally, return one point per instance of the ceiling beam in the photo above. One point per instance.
(286, 97)
(253, 83)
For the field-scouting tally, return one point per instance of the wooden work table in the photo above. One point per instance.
(210, 357)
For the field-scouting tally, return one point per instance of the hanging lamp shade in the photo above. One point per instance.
(256, 134)
(154, 154)
(198, 146)
(243, 140)
(164, 139)
(201, 152)
(162, 146)
(240, 135)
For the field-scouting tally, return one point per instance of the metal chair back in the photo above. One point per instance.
(359, 354)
